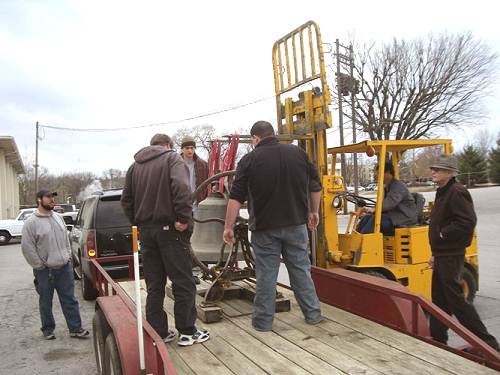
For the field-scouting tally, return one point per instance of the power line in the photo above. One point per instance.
(160, 123)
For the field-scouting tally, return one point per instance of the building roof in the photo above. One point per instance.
(8, 144)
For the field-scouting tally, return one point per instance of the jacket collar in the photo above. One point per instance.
(195, 157)
(445, 188)
(268, 141)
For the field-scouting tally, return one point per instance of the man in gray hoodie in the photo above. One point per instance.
(45, 245)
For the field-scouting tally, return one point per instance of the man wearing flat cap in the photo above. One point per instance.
(452, 223)
(198, 168)
(45, 245)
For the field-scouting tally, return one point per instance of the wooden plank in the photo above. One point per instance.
(287, 349)
(201, 360)
(328, 354)
(231, 357)
(228, 310)
(243, 306)
(264, 357)
(197, 357)
(180, 366)
(426, 352)
(382, 358)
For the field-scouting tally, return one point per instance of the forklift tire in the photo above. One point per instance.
(88, 291)
(101, 330)
(112, 364)
(469, 285)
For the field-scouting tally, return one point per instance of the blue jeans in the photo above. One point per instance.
(291, 243)
(367, 224)
(62, 280)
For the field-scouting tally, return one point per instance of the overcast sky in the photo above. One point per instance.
(108, 64)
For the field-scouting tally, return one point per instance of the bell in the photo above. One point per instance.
(206, 240)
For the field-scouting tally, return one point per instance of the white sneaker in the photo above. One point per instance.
(198, 337)
(170, 336)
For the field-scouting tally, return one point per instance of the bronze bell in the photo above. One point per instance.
(207, 241)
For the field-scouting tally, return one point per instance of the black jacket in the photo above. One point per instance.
(452, 220)
(276, 180)
(157, 188)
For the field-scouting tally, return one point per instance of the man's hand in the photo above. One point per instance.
(228, 237)
(431, 262)
(180, 227)
(313, 221)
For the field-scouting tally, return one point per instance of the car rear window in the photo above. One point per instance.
(66, 207)
(110, 213)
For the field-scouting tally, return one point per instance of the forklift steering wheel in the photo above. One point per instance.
(358, 200)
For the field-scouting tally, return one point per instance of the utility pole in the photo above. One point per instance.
(36, 159)
(353, 119)
(341, 114)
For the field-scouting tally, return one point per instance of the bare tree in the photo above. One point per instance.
(113, 178)
(413, 89)
(67, 185)
(484, 141)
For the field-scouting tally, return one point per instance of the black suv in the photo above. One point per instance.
(101, 230)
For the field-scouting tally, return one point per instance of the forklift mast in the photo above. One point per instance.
(303, 115)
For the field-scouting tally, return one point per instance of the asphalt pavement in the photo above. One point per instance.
(22, 346)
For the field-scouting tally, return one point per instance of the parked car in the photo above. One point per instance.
(351, 188)
(101, 230)
(371, 187)
(13, 228)
(67, 207)
(68, 212)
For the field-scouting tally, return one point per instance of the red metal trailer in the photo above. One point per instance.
(381, 301)
(115, 329)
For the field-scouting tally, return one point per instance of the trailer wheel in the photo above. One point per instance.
(112, 364)
(469, 285)
(88, 291)
(100, 329)
(4, 237)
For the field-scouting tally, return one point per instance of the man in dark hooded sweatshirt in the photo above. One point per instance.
(157, 198)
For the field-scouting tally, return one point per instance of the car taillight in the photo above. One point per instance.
(91, 252)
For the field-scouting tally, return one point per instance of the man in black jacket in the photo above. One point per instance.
(157, 198)
(452, 223)
(277, 180)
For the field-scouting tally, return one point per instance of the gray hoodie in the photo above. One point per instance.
(45, 241)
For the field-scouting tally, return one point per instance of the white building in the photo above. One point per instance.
(11, 165)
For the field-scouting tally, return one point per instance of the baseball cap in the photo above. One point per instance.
(46, 193)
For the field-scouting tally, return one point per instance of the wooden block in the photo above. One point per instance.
(209, 314)
(283, 303)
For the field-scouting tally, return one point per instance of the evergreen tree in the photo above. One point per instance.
(473, 165)
(494, 163)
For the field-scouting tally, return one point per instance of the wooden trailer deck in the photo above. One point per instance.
(342, 344)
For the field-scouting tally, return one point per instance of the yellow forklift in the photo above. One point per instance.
(302, 101)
